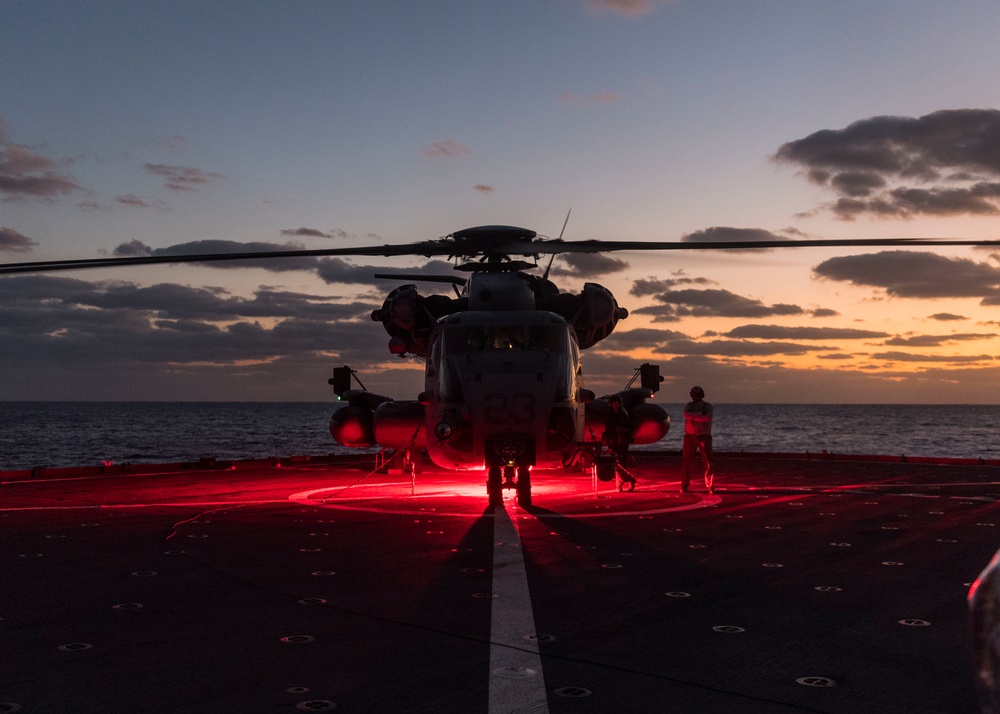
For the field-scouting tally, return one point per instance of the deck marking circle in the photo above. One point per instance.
(728, 629)
(946, 540)
(297, 690)
(145, 573)
(828, 588)
(772, 565)
(912, 622)
(312, 601)
(677, 593)
(55, 535)
(30, 555)
(573, 692)
(815, 681)
(316, 705)
(128, 606)
(298, 639)
(323, 572)
(75, 646)
(173, 552)
(306, 497)
(473, 570)
(484, 596)
(515, 672)
(891, 562)
(841, 545)
(612, 566)
(540, 638)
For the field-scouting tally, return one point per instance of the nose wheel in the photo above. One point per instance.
(498, 479)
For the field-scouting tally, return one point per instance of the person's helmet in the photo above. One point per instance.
(697, 392)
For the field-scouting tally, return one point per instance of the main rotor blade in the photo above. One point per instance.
(457, 247)
(426, 248)
(602, 246)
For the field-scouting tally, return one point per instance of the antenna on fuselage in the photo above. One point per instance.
(553, 256)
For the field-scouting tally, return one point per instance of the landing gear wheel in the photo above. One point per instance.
(494, 485)
(523, 486)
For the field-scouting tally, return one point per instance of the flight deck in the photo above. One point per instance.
(801, 585)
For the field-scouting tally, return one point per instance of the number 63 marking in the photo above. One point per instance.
(503, 408)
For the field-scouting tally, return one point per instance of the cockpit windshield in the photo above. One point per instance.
(487, 338)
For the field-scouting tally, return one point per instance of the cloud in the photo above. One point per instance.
(912, 357)
(27, 174)
(769, 332)
(330, 270)
(628, 8)
(715, 303)
(130, 199)
(943, 163)
(725, 234)
(483, 188)
(446, 149)
(184, 178)
(314, 233)
(121, 340)
(938, 340)
(912, 274)
(138, 248)
(587, 265)
(678, 343)
(946, 317)
(15, 242)
(737, 348)
(651, 286)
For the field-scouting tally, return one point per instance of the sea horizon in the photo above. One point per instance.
(82, 433)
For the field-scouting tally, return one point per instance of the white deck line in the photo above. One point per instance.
(517, 683)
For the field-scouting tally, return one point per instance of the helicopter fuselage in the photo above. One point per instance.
(502, 388)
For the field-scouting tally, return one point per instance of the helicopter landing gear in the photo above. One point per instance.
(494, 485)
(411, 462)
(523, 486)
(516, 477)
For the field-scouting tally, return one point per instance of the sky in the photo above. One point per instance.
(133, 127)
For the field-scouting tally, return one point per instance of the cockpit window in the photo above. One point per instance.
(462, 338)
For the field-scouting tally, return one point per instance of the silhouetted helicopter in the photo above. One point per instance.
(503, 385)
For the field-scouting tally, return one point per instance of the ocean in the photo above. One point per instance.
(58, 434)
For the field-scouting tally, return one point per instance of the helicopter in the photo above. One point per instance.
(503, 384)
(503, 381)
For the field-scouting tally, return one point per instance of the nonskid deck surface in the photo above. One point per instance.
(817, 586)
